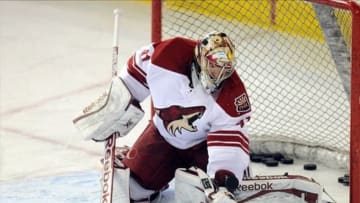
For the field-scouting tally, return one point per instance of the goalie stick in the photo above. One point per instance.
(110, 143)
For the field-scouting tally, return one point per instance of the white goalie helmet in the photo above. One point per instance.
(215, 57)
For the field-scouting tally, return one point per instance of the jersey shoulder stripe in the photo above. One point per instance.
(175, 54)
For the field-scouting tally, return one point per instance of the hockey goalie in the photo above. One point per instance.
(198, 134)
(201, 109)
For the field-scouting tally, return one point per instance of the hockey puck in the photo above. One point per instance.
(310, 167)
(271, 162)
(346, 181)
(286, 160)
(341, 179)
(264, 159)
(278, 156)
(268, 155)
(256, 158)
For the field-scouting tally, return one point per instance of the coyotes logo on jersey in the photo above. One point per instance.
(176, 118)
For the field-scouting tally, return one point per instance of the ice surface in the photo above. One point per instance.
(71, 188)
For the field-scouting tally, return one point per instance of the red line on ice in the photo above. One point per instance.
(48, 140)
(44, 101)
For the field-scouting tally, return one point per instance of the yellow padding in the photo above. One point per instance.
(293, 17)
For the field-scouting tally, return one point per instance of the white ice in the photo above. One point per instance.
(55, 57)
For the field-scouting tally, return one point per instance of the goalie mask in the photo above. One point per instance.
(215, 58)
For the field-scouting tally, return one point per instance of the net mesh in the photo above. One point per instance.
(288, 61)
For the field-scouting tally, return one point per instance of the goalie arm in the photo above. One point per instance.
(114, 111)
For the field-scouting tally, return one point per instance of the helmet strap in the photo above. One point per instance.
(197, 67)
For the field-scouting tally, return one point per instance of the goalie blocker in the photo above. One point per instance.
(114, 111)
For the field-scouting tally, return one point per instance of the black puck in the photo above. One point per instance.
(278, 156)
(287, 160)
(346, 181)
(310, 167)
(271, 162)
(268, 155)
(265, 159)
(256, 158)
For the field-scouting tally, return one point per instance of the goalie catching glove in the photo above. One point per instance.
(194, 186)
(114, 111)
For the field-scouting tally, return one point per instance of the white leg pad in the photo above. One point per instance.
(126, 188)
(137, 192)
(121, 186)
(188, 187)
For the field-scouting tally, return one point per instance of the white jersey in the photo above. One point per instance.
(185, 114)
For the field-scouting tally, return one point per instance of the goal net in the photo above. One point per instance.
(295, 60)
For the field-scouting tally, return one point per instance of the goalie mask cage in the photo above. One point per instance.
(300, 63)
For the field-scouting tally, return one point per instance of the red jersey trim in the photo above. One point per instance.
(135, 71)
(228, 139)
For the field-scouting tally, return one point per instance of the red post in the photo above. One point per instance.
(155, 31)
(156, 21)
(355, 106)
